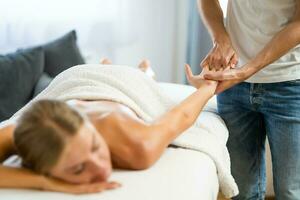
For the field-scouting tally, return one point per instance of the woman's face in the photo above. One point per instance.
(85, 158)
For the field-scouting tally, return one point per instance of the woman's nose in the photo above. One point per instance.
(100, 170)
(99, 175)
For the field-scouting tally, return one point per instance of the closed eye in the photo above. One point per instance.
(95, 147)
(79, 169)
(95, 144)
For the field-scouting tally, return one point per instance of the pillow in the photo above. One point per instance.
(62, 54)
(42, 83)
(19, 72)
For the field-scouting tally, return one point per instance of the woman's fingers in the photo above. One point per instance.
(94, 187)
(113, 185)
(99, 187)
(56, 185)
(188, 72)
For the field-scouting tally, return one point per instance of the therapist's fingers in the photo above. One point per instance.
(233, 61)
(216, 62)
(221, 75)
(205, 70)
(227, 68)
(204, 64)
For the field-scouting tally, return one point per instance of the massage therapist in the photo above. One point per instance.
(259, 93)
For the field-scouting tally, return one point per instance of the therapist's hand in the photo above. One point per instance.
(230, 77)
(221, 56)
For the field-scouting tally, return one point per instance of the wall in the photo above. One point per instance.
(160, 27)
(124, 30)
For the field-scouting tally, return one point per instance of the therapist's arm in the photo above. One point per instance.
(212, 15)
(280, 44)
(222, 54)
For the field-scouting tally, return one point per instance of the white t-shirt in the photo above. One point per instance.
(251, 24)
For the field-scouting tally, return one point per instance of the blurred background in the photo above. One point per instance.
(167, 32)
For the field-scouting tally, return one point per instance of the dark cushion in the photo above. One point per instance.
(42, 83)
(19, 73)
(62, 54)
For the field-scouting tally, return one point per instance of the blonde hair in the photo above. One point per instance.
(41, 133)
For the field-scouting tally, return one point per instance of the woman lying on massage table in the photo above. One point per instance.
(72, 146)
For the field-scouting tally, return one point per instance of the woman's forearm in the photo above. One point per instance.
(182, 116)
(20, 178)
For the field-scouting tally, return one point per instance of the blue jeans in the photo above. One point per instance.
(252, 112)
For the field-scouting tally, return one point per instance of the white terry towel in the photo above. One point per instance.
(142, 94)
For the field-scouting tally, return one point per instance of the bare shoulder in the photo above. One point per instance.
(126, 137)
(6, 132)
(120, 123)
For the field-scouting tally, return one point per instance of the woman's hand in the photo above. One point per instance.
(230, 77)
(198, 80)
(221, 56)
(55, 185)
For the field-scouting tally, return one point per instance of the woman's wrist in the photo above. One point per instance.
(44, 183)
(209, 87)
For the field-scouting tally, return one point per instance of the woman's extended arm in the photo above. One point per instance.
(183, 115)
(139, 145)
(27, 179)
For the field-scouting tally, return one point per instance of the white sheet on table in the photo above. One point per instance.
(179, 174)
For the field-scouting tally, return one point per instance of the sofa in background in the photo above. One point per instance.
(26, 72)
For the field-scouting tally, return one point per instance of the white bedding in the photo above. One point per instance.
(179, 174)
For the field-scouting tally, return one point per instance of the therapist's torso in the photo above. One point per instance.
(251, 24)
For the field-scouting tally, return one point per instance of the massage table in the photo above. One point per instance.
(179, 174)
